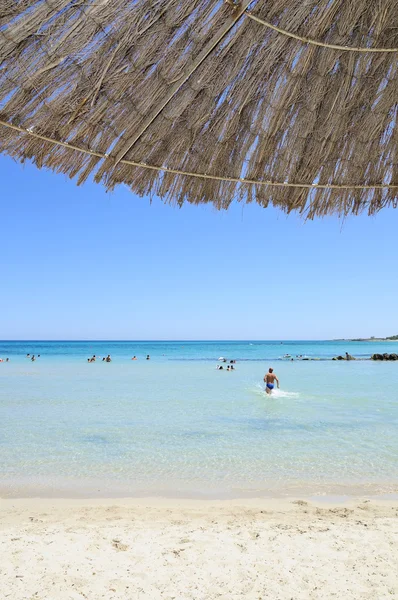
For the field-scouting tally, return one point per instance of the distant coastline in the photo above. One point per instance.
(391, 338)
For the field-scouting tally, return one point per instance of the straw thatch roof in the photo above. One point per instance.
(292, 102)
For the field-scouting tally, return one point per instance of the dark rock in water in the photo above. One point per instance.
(384, 356)
(340, 358)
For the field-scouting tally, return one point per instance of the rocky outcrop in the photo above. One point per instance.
(346, 357)
(384, 356)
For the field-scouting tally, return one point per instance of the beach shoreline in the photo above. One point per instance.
(190, 549)
(104, 490)
(273, 504)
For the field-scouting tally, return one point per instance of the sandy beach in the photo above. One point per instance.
(172, 549)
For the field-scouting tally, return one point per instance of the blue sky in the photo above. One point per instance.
(79, 263)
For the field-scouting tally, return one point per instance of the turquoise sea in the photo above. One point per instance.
(176, 426)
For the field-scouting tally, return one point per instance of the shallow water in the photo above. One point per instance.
(175, 425)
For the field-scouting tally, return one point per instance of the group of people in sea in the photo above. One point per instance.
(109, 358)
(298, 357)
(104, 358)
(230, 367)
(32, 357)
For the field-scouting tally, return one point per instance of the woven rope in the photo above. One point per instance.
(315, 42)
(199, 175)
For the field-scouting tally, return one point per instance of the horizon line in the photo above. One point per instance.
(186, 340)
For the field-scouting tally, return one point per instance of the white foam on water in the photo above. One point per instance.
(259, 389)
(284, 394)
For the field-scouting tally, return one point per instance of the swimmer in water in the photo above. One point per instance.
(269, 379)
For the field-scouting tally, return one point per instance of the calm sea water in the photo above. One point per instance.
(175, 425)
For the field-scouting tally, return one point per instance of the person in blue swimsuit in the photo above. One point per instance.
(269, 379)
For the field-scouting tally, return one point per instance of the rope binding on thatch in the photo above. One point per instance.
(306, 40)
(200, 175)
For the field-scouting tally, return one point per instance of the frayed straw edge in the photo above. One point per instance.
(316, 186)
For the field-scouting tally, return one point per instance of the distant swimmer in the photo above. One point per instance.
(269, 379)
(134, 357)
(33, 358)
(108, 358)
(148, 357)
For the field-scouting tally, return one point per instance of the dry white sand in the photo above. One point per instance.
(133, 549)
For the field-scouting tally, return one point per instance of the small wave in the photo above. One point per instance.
(259, 390)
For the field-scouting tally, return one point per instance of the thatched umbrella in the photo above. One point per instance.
(292, 102)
